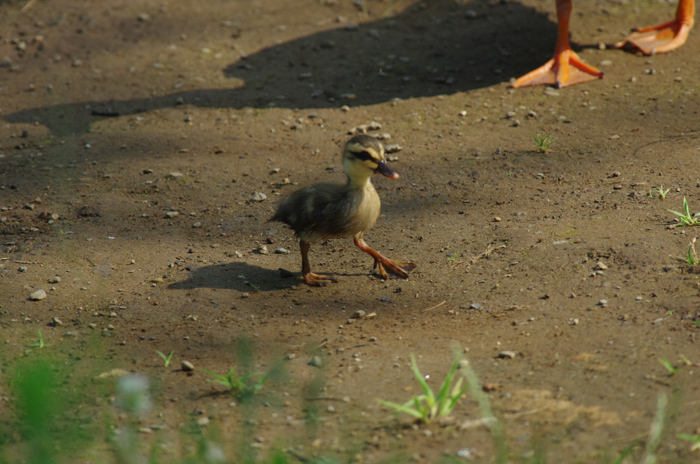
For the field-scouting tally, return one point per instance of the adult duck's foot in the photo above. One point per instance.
(389, 269)
(657, 39)
(663, 37)
(318, 280)
(565, 69)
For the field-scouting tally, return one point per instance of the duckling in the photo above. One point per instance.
(325, 211)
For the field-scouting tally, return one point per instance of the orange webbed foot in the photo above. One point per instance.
(318, 280)
(657, 39)
(565, 69)
(663, 37)
(389, 269)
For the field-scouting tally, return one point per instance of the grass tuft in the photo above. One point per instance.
(542, 142)
(166, 359)
(238, 385)
(430, 406)
(685, 218)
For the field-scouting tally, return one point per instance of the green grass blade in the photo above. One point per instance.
(627, 451)
(430, 396)
(398, 408)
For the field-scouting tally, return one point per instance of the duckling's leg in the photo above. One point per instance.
(664, 37)
(565, 68)
(315, 280)
(395, 269)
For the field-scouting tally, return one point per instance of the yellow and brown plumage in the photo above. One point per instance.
(325, 211)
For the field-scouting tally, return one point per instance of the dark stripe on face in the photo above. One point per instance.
(363, 155)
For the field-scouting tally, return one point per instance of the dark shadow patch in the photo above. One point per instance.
(236, 276)
(430, 49)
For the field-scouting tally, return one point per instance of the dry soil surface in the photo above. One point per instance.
(144, 146)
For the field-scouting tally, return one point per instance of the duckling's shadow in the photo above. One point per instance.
(244, 277)
(236, 276)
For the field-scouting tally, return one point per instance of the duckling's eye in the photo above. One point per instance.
(363, 155)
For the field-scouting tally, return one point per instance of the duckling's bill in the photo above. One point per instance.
(386, 171)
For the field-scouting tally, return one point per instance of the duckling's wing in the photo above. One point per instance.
(317, 212)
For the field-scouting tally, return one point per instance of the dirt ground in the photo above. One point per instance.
(136, 140)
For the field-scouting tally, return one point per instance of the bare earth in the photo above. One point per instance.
(117, 114)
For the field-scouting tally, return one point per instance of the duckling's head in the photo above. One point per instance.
(364, 156)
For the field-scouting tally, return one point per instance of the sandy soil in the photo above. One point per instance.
(116, 115)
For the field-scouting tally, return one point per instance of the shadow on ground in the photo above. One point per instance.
(429, 49)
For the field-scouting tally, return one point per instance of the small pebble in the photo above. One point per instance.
(38, 295)
(506, 354)
(187, 366)
(172, 214)
(281, 251)
(316, 361)
(259, 196)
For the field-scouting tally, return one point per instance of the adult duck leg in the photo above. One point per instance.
(387, 268)
(315, 280)
(565, 68)
(663, 37)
